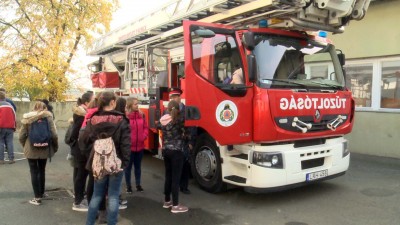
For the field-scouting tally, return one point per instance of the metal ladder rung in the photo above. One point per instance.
(202, 13)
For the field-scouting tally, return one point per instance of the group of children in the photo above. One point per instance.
(106, 115)
(102, 116)
(109, 116)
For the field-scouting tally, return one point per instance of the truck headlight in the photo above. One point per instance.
(268, 159)
(345, 149)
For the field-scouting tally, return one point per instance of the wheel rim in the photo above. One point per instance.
(206, 163)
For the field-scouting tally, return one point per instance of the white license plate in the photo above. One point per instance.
(316, 175)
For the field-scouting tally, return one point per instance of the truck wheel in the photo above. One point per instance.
(206, 165)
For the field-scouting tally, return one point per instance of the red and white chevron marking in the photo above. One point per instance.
(138, 90)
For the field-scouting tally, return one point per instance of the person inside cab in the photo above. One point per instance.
(237, 77)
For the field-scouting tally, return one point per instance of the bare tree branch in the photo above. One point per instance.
(29, 19)
(72, 53)
(16, 29)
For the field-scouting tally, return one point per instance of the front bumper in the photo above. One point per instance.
(297, 163)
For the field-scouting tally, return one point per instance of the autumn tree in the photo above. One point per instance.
(39, 38)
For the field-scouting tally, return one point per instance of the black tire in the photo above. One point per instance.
(206, 153)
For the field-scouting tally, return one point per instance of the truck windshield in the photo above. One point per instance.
(293, 63)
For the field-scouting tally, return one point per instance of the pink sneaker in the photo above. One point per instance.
(179, 209)
(167, 205)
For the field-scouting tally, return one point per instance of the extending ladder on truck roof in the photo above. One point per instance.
(165, 22)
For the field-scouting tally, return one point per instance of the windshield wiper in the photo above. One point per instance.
(295, 71)
(327, 85)
(287, 82)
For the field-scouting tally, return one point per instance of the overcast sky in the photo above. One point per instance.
(132, 9)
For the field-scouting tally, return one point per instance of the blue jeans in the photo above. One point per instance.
(6, 139)
(136, 160)
(114, 189)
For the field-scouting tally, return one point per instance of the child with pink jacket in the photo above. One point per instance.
(139, 133)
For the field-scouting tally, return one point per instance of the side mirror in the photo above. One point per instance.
(342, 59)
(252, 67)
(248, 40)
(345, 78)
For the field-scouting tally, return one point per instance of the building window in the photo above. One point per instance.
(390, 85)
(359, 81)
(375, 83)
(319, 71)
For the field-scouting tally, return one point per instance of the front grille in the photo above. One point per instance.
(314, 153)
(310, 142)
(311, 163)
(316, 126)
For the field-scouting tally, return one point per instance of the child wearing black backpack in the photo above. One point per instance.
(38, 137)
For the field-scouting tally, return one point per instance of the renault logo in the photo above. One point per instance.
(317, 114)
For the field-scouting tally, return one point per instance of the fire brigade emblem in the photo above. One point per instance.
(226, 113)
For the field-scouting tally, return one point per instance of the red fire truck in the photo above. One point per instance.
(257, 77)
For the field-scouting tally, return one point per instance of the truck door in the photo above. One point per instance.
(217, 91)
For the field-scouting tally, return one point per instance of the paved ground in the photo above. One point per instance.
(368, 194)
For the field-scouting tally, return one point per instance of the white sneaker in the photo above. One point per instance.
(179, 209)
(167, 205)
(35, 201)
(122, 206)
(82, 207)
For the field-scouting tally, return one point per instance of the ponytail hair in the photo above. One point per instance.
(79, 101)
(173, 109)
(85, 98)
(105, 99)
(120, 105)
(95, 101)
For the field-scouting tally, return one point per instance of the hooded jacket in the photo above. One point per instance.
(107, 124)
(78, 117)
(89, 114)
(172, 132)
(7, 115)
(67, 137)
(139, 130)
(31, 152)
(12, 104)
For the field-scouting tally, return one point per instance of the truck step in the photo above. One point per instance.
(236, 179)
(241, 156)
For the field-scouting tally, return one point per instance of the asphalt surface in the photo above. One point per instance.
(369, 194)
